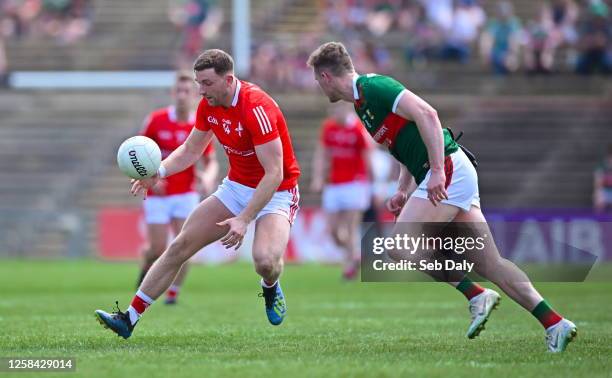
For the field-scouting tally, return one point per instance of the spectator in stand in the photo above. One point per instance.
(595, 40)
(78, 21)
(17, 17)
(468, 19)
(439, 13)
(564, 17)
(336, 16)
(380, 19)
(65, 20)
(540, 44)
(409, 14)
(500, 42)
(602, 195)
(362, 56)
(197, 20)
(423, 37)
(3, 64)
(264, 72)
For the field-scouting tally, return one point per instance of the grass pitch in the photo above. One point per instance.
(333, 328)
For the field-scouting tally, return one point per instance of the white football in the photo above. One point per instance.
(139, 157)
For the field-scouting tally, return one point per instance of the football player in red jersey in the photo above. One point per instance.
(346, 188)
(172, 199)
(261, 186)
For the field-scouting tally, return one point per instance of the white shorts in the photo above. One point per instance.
(355, 195)
(463, 188)
(236, 196)
(161, 209)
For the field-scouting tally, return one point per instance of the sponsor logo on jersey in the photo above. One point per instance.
(230, 150)
(380, 133)
(142, 171)
(213, 120)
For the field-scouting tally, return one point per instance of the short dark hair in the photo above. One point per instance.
(332, 56)
(221, 61)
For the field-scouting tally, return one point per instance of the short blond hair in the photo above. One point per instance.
(332, 56)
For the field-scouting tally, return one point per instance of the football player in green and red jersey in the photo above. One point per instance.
(437, 184)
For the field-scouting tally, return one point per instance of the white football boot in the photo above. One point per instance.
(559, 335)
(480, 308)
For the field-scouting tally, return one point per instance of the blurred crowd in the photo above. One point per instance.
(561, 36)
(66, 21)
(283, 64)
(197, 21)
(564, 36)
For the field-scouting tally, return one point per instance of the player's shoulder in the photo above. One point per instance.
(252, 95)
(376, 81)
(156, 118)
(160, 113)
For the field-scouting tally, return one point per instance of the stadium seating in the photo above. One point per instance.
(52, 147)
(537, 139)
(126, 34)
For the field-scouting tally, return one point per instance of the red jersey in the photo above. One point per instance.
(163, 127)
(345, 145)
(253, 118)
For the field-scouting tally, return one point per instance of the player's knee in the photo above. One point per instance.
(265, 265)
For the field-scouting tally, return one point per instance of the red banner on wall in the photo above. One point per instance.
(121, 233)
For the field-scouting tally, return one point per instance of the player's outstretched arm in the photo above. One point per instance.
(426, 118)
(270, 156)
(180, 159)
(187, 154)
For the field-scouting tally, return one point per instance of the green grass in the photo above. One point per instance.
(332, 329)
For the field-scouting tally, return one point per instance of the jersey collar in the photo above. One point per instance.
(172, 113)
(173, 117)
(355, 91)
(237, 93)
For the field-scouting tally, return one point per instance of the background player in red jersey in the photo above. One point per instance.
(346, 186)
(261, 186)
(172, 199)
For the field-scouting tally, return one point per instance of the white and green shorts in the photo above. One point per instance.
(462, 182)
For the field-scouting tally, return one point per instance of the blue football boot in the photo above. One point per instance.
(276, 308)
(118, 322)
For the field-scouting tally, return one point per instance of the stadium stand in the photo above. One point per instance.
(46, 161)
(537, 138)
